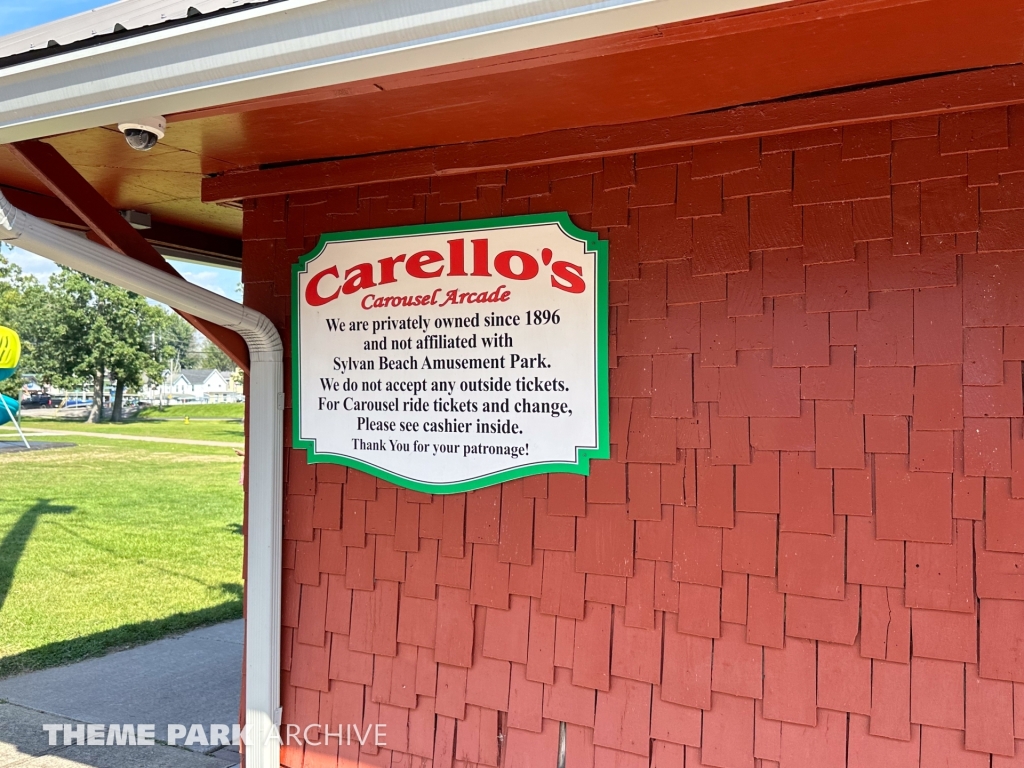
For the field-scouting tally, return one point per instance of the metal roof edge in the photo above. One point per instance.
(55, 48)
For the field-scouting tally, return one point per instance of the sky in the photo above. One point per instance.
(16, 15)
(22, 14)
(222, 281)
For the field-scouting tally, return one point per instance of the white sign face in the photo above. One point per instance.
(450, 357)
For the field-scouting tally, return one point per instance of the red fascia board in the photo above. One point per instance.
(978, 89)
(783, 14)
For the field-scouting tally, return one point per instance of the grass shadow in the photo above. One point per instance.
(12, 547)
(236, 590)
(118, 638)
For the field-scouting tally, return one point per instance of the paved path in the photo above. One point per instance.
(142, 438)
(194, 678)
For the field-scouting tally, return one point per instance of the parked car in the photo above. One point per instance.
(37, 400)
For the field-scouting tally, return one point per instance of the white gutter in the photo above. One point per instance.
(296, 45)
(265, 451)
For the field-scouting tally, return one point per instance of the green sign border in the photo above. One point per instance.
(594, 244)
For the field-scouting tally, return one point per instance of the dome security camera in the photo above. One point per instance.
(145, 133)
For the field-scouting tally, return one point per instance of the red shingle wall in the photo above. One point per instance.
(808, 549)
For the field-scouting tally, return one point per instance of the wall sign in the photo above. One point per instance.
(449, 357)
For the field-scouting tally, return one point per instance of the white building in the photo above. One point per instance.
(200, 383)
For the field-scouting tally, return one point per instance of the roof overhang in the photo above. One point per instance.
(304, 95)
(297, 45)
(170, 241)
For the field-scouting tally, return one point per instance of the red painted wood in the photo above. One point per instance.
(622, 719)
(941, 576)
(700, 610)
(945, 635)
(563, 588)
(483, 509)
(834, 621)
(454, 627)
(736, 667)
(890, 700)
(835, 587)
(697, 550)
(567, 702)
(490, 578)
(506, 633)
(417, 621)
(686, 667)
(350, 665)
(821, 745)
(728, 731)
(789, 693)
(937, 693)
(389, 563)
(421, 570)
(765, 612)
(988, 714)
(488, 679)
(515, 537)
(844, 679)
(592, 648)
(805, 491)
(911, 505)
(959, 91)
(526, 580)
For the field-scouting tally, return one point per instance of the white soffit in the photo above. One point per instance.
(293, 45)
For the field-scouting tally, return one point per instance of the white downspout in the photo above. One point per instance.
(266, 421)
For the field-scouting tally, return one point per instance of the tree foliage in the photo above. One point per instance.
(214, 357)
(13, 284)
(79, 331)
(178, 342)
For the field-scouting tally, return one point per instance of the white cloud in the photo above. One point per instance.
(204, 279)
(216, 279)
(31, 264)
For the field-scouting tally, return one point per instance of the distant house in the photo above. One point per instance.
(30, 383)
(199, 383)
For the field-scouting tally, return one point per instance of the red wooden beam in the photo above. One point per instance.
(991, 87)
(224, 250)
(107, 224)
(43, 206)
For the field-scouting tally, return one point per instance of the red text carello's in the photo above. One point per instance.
(566, 276)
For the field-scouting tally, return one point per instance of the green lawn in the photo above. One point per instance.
(206, 411)
(218, 430)
(113, 543)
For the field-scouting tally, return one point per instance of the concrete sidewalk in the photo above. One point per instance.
(194, 678)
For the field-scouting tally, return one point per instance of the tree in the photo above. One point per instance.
(214, 357)
(177, 341)
(12, 283)
(10, 293)
(85, 329)
(75, 343)
(77, 330)
(132, 356)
